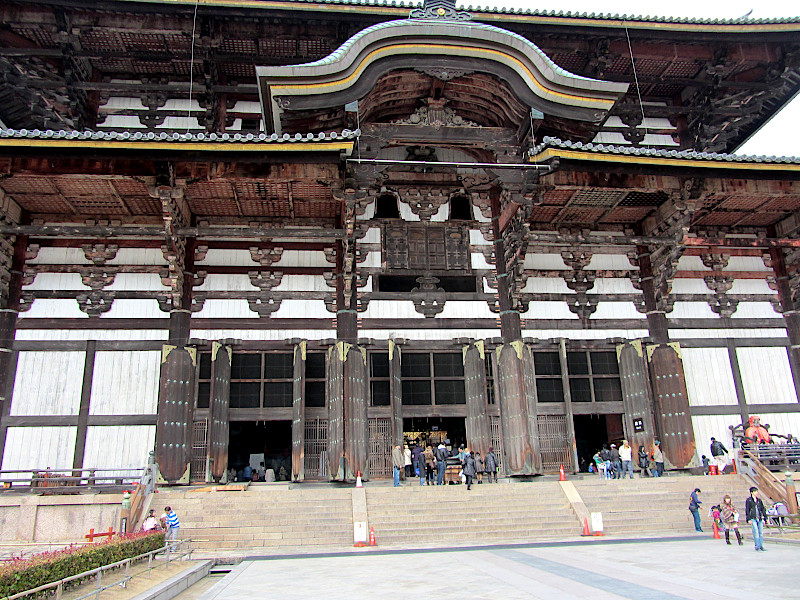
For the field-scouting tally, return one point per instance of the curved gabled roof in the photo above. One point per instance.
(340, 77)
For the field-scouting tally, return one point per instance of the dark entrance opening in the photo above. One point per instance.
(431, 430)
(250, 439)
(592, 431)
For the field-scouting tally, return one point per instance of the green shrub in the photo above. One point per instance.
(21, 574)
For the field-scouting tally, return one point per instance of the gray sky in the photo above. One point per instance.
(779, 137)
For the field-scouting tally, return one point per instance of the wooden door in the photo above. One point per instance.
(219, 409)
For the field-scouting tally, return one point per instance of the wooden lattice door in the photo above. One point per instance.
(197, 471)
(554, 443)
(380, 447)
(315, 452)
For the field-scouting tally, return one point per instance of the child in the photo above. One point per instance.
(705, 464)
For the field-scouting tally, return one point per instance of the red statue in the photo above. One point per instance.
(757, 433)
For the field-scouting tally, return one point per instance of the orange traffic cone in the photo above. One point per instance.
(586, 531)
(561, 476)
(372, 536)
(358, 480)
(716, 531)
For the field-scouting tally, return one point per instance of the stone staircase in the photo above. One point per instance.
(264, 518)
(278, 518)
(660, 505)
(451, 515)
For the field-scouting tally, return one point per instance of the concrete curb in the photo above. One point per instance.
(175, 585)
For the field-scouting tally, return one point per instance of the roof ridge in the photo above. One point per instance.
(553, 142)
(163, 136)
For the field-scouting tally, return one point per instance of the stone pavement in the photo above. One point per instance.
(690, 568)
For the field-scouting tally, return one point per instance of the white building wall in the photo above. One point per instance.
(48, 383)
(39, 448)
(709, 377)
(125, 383)
(766, 376)
(716, 426)
(118, 447)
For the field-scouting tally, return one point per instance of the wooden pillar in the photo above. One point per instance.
(673, 417)
(348, 433)
(83, 411)
(299, 413)
(573, 450)
(638, 420)
(176, 401)
(219, 411)
(8, 329)
(478, 436)
(512, 394)
(396, 393)
(791, 315)
(510, 323)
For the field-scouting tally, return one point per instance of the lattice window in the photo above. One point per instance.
(426, 246)
(315, 449)
(549, 387)
(258, 380)
(497, 440)
(380, 447)
(554, 444)
(197, 469)
(379, 379)
(594, 377)
(433, 378)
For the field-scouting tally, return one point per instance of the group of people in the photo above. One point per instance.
(169, 523)
(615, 463)
(726, 516)
(427, 461)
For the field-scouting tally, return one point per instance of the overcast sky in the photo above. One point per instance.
(781, 136)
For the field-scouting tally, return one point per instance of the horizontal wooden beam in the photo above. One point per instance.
(735, 409)
(151, 231)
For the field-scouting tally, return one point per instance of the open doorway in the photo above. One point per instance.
(592, 431)
(432, 430)
(253, 442)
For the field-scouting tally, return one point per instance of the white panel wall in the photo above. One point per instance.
(265, 334)
(391, 309)
(59, 256)
(56, 281)
(610, 261)
(125, 383)
(544, 261)
(47, 308)
(616, 310)
(39, 447)
(716, 426)
(138, 282)
(227, 258)
(135, 308)
(301, 283)
(138, 256)
(709, 378)
(546, 285)
(692, 310)
(122, 447)
(301, 258)
(302, 309)
(466, 310)
(727, 333)
(48, 383)
(218, 308)
(550, 310)
(90, 334)
(766, 375)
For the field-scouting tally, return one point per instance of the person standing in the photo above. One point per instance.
(172, 525)
(658, 457)
(479, 466)
(730, 518)
(417, 464)
(694, 508)
(398, 464)
(441, 462)
(616, 465)
(626, 455)
(490, 465)
(407, 461)
(756, 514)
(469, 468)
(643, 461)
(719, 454)
(430, 461)
(605, 455)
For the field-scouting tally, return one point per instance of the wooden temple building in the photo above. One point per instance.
(311, 229)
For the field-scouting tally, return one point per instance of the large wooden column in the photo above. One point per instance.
(219, 411)
(638, 421)
(478, 436)
(673, 418)
(348, 432)
(299, 413)
(789, 310)
(10, 298)
(396, 393)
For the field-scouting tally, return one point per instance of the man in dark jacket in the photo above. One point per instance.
(469, 469)
(490, 465)
(756, 514)
(719, 454)
(441, 454)
(694, 508)
(616, 464)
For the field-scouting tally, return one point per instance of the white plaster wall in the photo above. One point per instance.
(227, 258)
(90, 334)
(716, 426)
(546, 285)
(265, 334)
(135, 308)
(59, 256)
(39, 448)
(301, 258)
(46, 308)
(755, 310)
(616, 310)
(217, 308)
(303, 283)
(56, 281)
(118, 447)
(48, 383)
(617, 262)
(766, 375)
(466, 310)
(230, 282)
(147, 282)
(302, 309)
(709, 378)
(138, 256)
(549, 310)
(692, 310)
(391, 309)
(544, 261)
(125, 383)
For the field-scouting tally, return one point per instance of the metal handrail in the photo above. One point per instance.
(170, 548)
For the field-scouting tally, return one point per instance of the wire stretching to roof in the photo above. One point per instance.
(636, 81)
(191, 69)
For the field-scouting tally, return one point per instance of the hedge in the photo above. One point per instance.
(21, 574)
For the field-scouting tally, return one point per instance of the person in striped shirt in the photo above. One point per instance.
(171, 523)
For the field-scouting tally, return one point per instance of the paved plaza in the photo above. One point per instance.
(700, 569)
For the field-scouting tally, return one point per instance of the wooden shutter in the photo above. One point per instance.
(475, 388)
(299, 412)
(219, 410)
(457, 247)
(639, 423)
(175, 412)
(395, 246)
